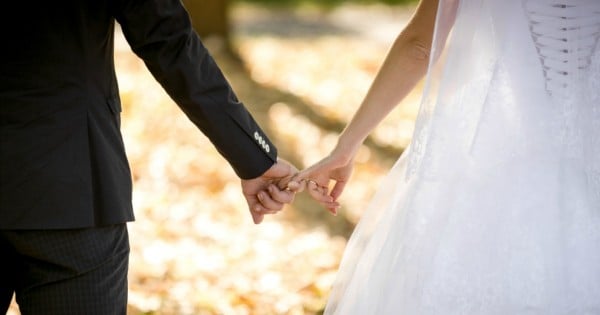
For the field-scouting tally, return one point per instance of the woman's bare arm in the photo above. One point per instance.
(404, 66)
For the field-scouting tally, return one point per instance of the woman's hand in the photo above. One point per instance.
(336, 167)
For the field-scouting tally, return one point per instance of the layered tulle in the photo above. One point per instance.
(495, 206)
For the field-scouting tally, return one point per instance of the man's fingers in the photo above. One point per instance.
(254, 207)
(296, 186)
(290, 184)
(269, 205)
(279, 195)
(257, 217)
(257, 210)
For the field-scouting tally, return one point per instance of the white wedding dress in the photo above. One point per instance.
(495, 206)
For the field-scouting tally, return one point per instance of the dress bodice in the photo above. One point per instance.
(565, 33)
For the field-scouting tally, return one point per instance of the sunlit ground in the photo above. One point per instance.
(194, 247)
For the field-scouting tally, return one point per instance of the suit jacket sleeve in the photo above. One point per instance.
(160, 32)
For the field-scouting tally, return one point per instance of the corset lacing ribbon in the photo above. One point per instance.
(565, 33)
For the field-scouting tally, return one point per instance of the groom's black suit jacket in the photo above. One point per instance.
(62, 159)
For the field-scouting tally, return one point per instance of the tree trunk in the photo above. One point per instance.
(209, 17)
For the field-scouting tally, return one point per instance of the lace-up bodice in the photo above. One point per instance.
(566, 34)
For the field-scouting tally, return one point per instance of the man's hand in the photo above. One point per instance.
(268, 193)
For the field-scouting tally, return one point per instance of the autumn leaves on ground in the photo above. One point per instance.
(302, 73)
(194, 247)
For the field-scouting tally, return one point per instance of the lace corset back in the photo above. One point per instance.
(565, 33)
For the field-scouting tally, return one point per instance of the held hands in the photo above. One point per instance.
(336, 167)
(268, 193)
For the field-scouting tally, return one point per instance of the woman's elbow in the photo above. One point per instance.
(414, 43)
(418, 49)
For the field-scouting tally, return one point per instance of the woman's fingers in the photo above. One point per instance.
(320, 194)
(316, 179)
(321, 167)
(337, 190)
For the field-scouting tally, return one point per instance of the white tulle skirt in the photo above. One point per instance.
(519, 237)
(499, 213)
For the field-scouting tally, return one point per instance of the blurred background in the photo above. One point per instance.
(301, 67)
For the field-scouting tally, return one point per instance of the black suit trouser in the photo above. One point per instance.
(65, 272)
